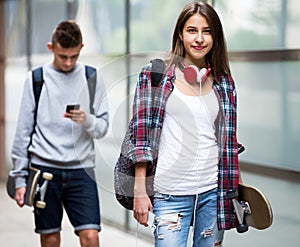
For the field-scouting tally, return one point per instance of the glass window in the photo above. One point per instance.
(257, 25)
(152, 24)
(103, 26)
(44, 21)
(268, 92)
(268, 112)
(292, 24)
(15, 25)
(21, 13)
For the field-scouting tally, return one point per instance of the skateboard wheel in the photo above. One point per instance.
(40, 204)
(232, 194)
(47, 176)
(242, 228)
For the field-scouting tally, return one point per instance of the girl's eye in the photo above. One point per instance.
(207, 31)
(192, 30)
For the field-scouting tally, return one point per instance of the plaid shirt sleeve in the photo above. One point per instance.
(141, 121)
(148, 114)
(228, 147)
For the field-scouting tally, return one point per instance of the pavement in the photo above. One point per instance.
(17, 229)
(16, 224)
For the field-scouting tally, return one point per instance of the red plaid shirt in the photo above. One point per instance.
(146, 125)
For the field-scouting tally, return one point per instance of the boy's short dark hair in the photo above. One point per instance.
(67, 34)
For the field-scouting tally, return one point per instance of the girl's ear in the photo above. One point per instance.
(180, 36)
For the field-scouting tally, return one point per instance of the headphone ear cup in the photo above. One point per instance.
(201, 75)
(191, 73)
(205, 74)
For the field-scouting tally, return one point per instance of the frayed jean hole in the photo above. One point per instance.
(207, 233)
(172, 221)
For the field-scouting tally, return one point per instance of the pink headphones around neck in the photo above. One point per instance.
(192, 73)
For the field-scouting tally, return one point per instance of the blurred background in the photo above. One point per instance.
(120, 36)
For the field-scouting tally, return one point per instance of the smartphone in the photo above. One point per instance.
(72, 107)
(151, 219)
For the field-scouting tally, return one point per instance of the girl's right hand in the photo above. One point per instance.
(141, 206)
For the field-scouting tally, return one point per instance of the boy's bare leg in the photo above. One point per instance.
(50, 240)
(89, 238)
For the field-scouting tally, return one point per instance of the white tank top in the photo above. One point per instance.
(188, 152)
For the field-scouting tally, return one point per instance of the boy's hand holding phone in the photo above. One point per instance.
(71, 108)
(75, 114)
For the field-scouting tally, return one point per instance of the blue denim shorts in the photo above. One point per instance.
(75, 190)
(174, 216)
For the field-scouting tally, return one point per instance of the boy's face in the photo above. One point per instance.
(64, 58)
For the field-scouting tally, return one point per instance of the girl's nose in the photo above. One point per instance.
(199, 37)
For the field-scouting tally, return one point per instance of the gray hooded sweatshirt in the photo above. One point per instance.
(57, 141)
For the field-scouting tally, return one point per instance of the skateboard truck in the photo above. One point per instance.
(260, 215)
(35, 193)
(241, 209)
(41, 190)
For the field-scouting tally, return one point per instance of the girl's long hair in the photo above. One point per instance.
(217, 57)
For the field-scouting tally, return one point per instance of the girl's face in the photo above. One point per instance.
(197, 39)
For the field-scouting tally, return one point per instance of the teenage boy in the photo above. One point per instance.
(61, 142)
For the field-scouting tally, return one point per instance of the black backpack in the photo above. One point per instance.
(124, 169)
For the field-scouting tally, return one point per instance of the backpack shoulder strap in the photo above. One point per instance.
(91, 77)
(157, 71)
(37, 83)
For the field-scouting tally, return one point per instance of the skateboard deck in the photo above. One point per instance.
(34, 193)
(252, 208)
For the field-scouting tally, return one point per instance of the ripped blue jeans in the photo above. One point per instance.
(176, 214)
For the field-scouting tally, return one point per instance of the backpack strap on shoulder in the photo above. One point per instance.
(91, 77)
(37, 83)
(157, 71)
